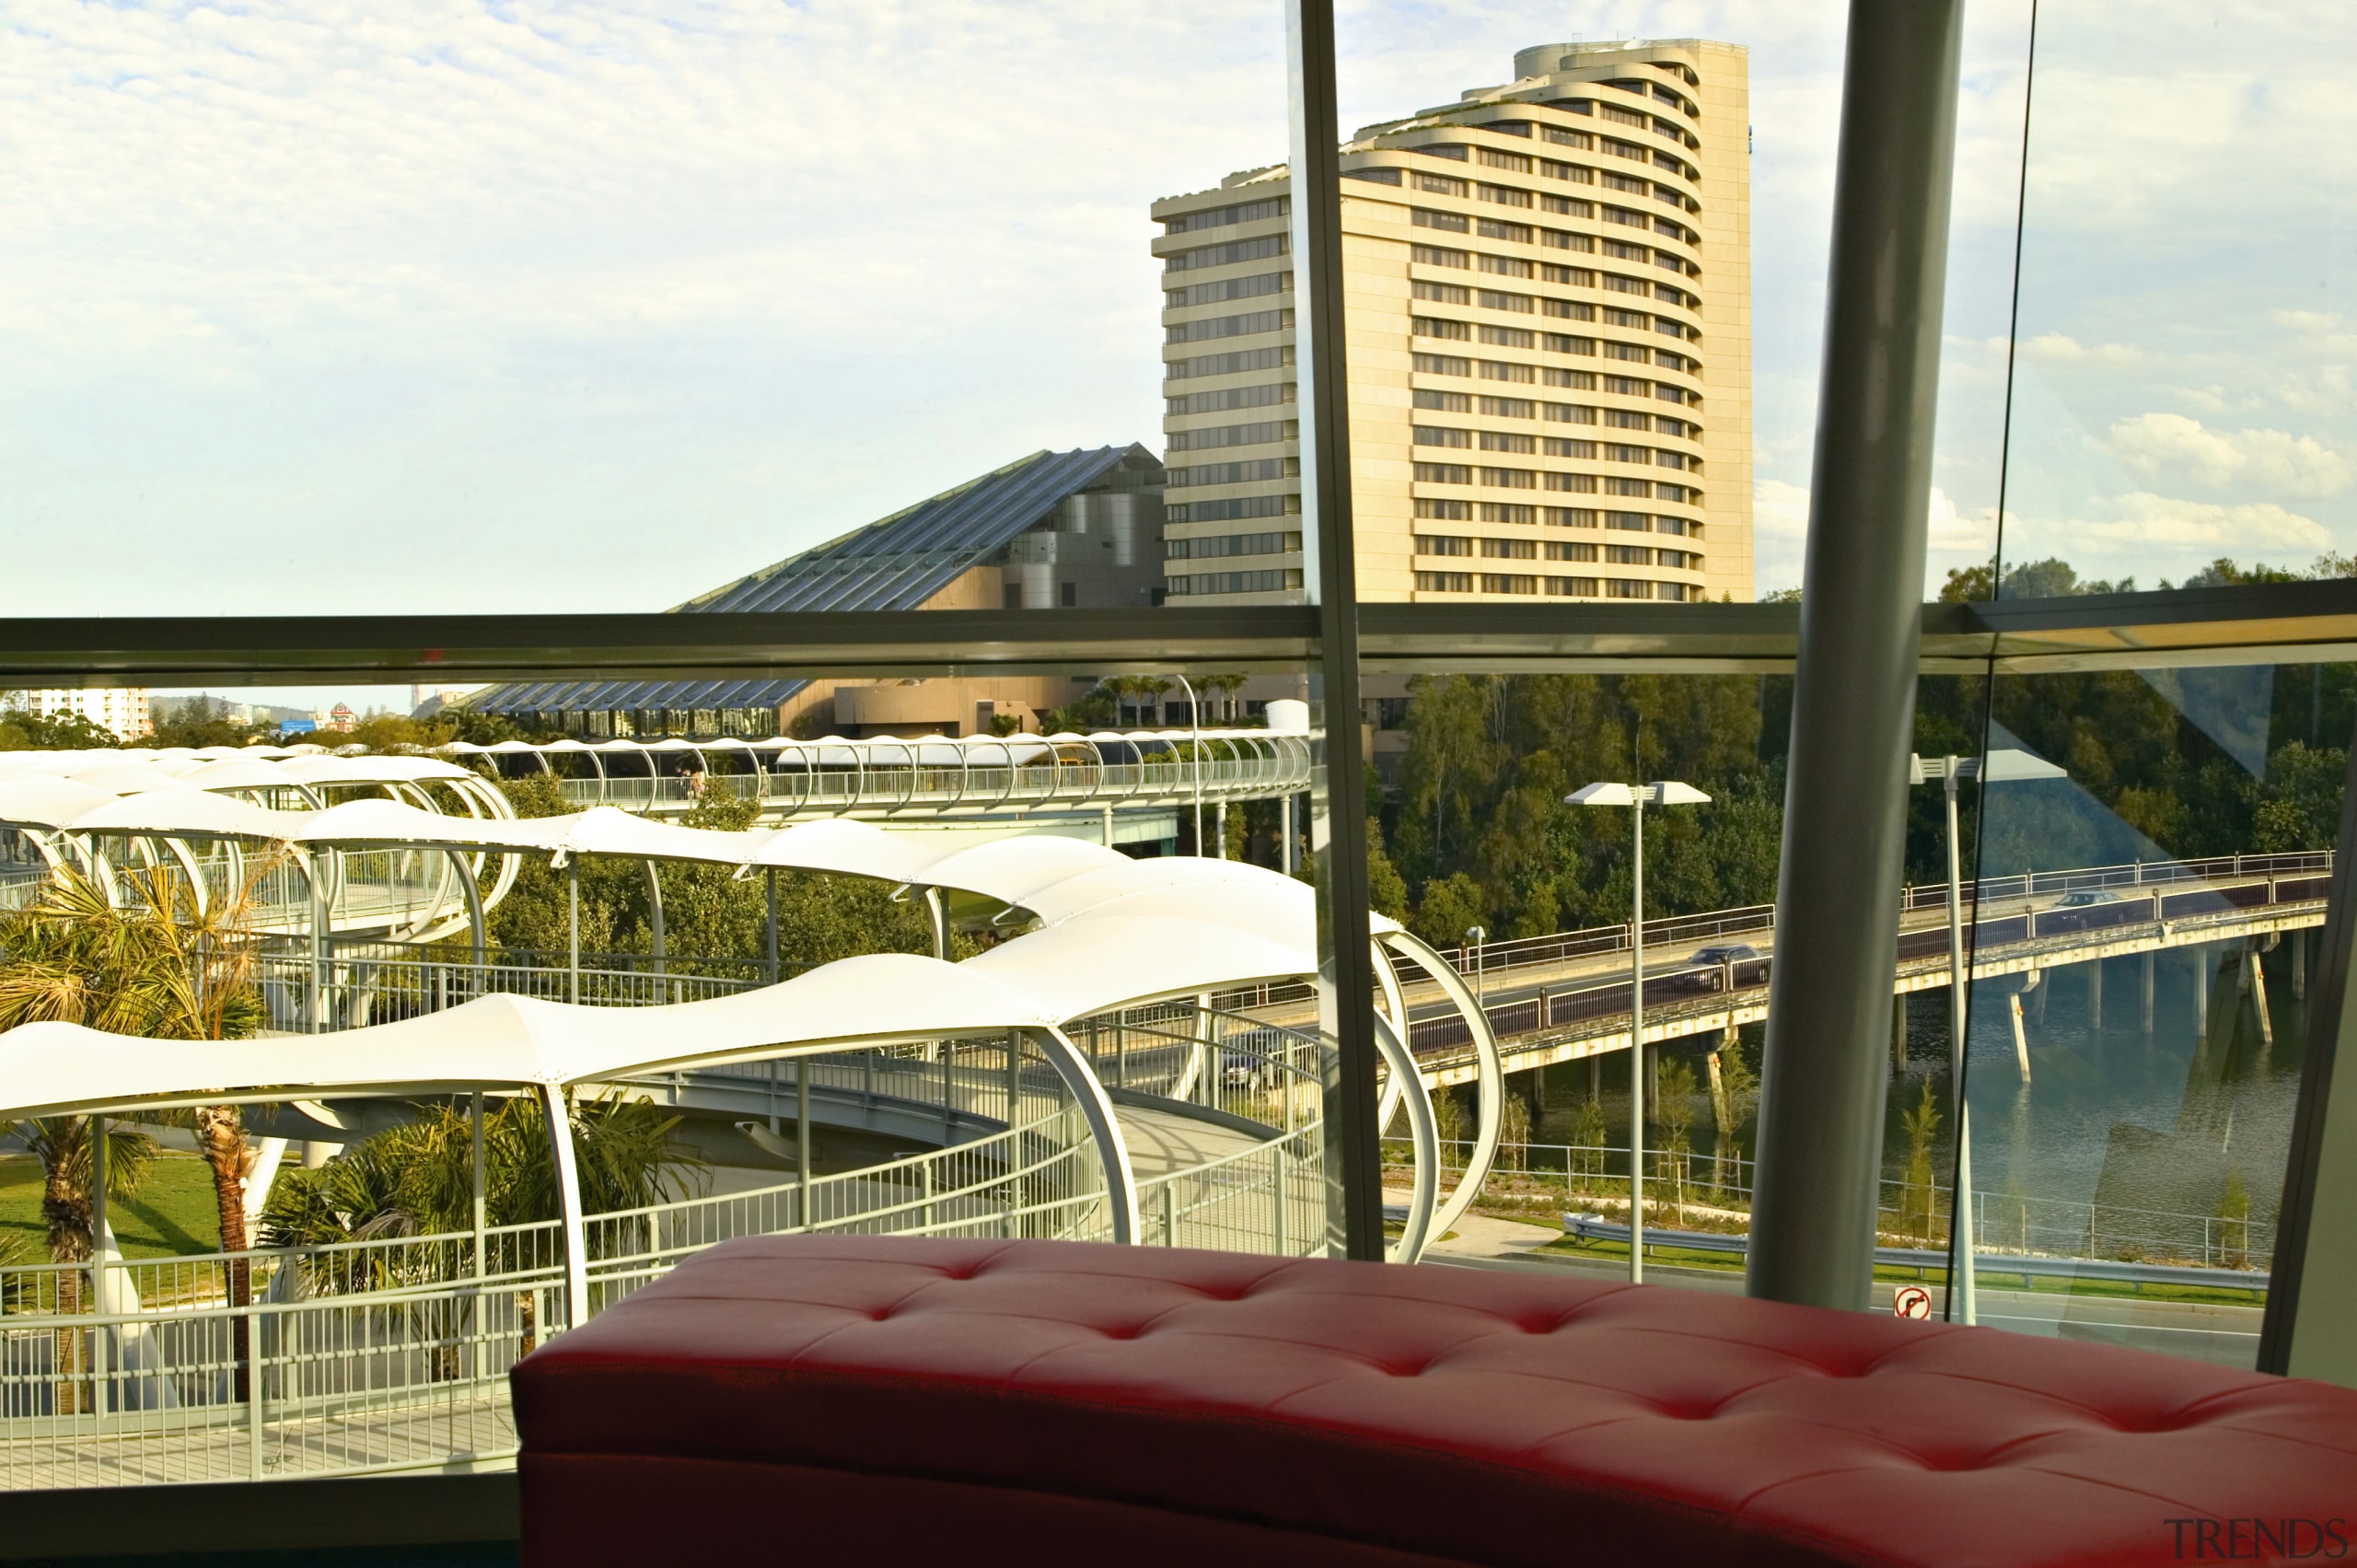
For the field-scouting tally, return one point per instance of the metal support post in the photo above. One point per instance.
(2144, 1009)
(1219, 826)
(2200, 992)
(2094, 994)
(1853, 698)
(936, 919)
(1962, 1303)
(1108, 820)
(2021, 1036)
(99, 1360)
(568, 1195)
(572, 928)
(1354, 1164)
(474, 1120)
(1637, 1061)
(1898, 1032)
(654, 915)
(2299, 940)
(802, 1129)
(769, 944)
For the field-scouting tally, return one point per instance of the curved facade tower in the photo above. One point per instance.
(1550, 304)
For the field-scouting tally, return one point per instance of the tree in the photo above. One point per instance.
(1447, 909)
(197, 721)
(62, 1146)
(1917, 1205)
(158, 967)
(1387, 891)
(23, 731)
(1674, 1108)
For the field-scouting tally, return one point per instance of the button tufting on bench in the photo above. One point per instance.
(1073, 1401)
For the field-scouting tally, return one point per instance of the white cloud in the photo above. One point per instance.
(2059, 348)
(2246, 530)
(2170, 446)
(1780, 536)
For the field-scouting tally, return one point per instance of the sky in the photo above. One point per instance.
(536, 305)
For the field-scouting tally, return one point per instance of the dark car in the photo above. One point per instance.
(2079, 910)
(1721, 962)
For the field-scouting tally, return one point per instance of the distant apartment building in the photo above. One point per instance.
(120, 711)
(1547, 289)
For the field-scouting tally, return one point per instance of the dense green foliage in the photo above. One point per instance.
(708, 911)
(21, 731)
(1480, 836)
(418, 1178)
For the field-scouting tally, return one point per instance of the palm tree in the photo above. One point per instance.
(62, 1144)
(163, 964)
(418, 1180)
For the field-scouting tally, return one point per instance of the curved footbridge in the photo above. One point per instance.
(1073, 1080)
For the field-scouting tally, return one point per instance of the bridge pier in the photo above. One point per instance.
(2299, 940)
(2201, 953)
(1898, 1032)
(2094, 994)
(2146, 1008)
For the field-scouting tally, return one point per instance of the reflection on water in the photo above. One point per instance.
(2179, 1115)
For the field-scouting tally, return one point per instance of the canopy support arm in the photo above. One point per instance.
(1096, 1107)
(1423, 1132)
(1490, 1077)
(568, 1194)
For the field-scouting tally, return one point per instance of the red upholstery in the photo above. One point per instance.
(881, 1400)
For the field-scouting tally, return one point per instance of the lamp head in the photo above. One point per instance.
(1602, 794)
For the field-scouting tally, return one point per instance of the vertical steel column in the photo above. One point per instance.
(1345, 953)
(1854, 698)
(2316, 1247)
(99, 1360)
(474, 1131)
(768, 940)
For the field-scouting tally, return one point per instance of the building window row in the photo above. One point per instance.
(1509, 583)
(1250, 472)
(1234, 362)
(1436, 508)
(1445, 582)
(1234, 509)
(1225, 289)
(1219, 435)
(1227, 255)
(1232, 397)
(1444, 544)
(1213, 546)
(1239, 326)
(1554, 342)
(1232, 583)
(1220, 217)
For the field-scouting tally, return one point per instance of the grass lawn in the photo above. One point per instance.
(174, 1212)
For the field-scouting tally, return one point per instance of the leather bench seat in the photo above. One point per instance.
(870, 1399)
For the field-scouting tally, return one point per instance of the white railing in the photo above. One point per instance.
(393, 1353)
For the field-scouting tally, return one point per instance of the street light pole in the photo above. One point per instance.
(1660, 792)
(1195, 727)
(2000, 765)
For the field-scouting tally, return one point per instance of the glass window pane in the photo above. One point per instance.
(2179, 398)
(2146, 929)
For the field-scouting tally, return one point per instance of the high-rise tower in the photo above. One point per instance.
(1548, 296)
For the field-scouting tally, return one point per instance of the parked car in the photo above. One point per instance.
(1722, 958)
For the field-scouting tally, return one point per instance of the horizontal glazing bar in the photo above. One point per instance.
(2277, 623)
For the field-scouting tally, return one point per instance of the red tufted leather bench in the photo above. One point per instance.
(875, 1400)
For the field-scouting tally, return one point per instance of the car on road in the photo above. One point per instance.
(2079, 910)
(1724, 966)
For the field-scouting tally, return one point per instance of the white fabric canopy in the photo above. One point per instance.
(46, 802)
(47, 1068)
